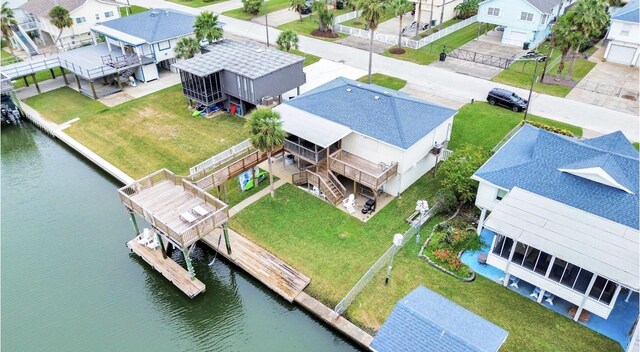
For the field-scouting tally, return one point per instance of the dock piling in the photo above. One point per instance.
(225, 230)
(135, 223)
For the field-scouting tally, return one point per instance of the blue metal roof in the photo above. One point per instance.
(381, 113)
(425, 321)
(629, 12)
(531, 159)
(154, 25)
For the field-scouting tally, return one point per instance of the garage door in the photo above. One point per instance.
(621, 54)
(519, 37)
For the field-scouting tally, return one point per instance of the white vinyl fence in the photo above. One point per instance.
(393, 38)
(219, 159)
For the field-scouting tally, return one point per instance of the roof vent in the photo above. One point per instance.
(385, 92)
(376, 97)
(359, 85)
(259, 50)
(154, 13)
(348, 89)
(166, 12)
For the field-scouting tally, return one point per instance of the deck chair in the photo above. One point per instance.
(153, 243)
(200, 211)
(145, 237)
(315, 191)
(188, 217)
(349, 202)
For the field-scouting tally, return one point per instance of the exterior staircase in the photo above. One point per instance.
(24, 41)
(328, 184)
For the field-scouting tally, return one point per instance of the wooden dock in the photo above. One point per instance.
(168, 268)
(264, 266)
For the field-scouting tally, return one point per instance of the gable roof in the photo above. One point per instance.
(152, 26)
(629, 12)
(381, 113)
(41, 8)
(247, 59)
(534, 160)
(425, 321)
(590, 242)
(545, 6)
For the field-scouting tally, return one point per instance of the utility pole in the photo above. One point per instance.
(552, 44)
(533, 81)
(266, 20)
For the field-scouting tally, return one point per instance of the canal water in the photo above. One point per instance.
(70, 284)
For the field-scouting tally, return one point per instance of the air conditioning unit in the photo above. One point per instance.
(267, 100)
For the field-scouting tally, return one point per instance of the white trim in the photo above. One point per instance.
(597, 174)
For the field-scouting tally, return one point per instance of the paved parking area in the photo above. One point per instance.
(610, 85)
(322, 72)
(279, 17)
(486, 44)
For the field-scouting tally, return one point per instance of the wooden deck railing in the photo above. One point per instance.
(304, 152)
(337, 165)
(232, 170)
(337, 183)
(310, 177)
(191, 234)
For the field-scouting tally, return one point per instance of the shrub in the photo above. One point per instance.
(550, 128)
(444, 201)
(458, 170)
(252, 6)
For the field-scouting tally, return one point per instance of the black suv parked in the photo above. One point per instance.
(507, 99)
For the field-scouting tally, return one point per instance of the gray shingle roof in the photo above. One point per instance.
(381, 113)
(154, 25)
(532, 158)
(544, 5)
(425, 321)
(41, 8)
(247, 59)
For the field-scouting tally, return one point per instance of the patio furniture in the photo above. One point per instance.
(514, 281)
(188, 217)
(369, 207)
(200, 211)
(584, 316)
(550, 297)
(482, 258)
(535, 293)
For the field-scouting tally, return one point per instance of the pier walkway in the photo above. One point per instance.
(264, 266)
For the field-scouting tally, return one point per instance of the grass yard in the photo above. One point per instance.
(145, 134)
(435, 29)
(335, 250)
(196, 3)
(63, 104)
(384, 81)
(306, 26)
(7, 59)
(636, 145)
(133, 9)
(360, 23)
(520, 73)
(430, 53)
(270, 6)
(308, 58)
(484, 125)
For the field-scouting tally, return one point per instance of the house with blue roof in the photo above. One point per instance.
(151, 34)
(425, 321)
(624, 35)
(563, 219)
(369, 137)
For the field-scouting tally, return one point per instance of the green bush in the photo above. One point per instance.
(252, 6)
(551, 128)
(447, 241)
(445, 201)
(459, 168)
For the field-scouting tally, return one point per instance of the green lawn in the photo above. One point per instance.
(7, 59)
(484, 125)
(306, 26)
(335, 249)
(430, 53)
(520, 73)
(308, 58)
(149, 133)
(133, 9)
(636, 145)
(196, 3)
(436, 28)
(384, 81)
(360, 23)
(235, 195)
(64, 104)
(271, 6)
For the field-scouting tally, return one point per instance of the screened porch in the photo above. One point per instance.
(205, 90)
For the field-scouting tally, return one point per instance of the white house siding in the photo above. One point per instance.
(81, 32)
(413, 163)
(623, 48)
(486, 197)
(517, 32)
(449, 12)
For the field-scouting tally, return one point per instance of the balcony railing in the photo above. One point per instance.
(304, 152)
(360, 170)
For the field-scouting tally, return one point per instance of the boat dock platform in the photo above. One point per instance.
(259, 263)
(171, 270)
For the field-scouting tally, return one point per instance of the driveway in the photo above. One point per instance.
(613, 86)
(488, 45)
(362, 43)
(322, 72)
(277, 18)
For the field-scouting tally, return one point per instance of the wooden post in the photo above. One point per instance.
(35, 81)
(104, 79)
(162, 249)
(53, 74)
(354, 187)
(93, 90)
(187, 260)
(26, 82)
(64, 76)
(78, 81)
(135, 223)
(225, 230)
(118, 81)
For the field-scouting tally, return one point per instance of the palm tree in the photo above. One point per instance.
(400, 7)
(267, 135)
(59, 17)
(372, 12)
(287, 40)
(591, 18)
(298, 6)
(187, 48)
(7, 22)
(566, 38)
(207, 26)
(319, 7)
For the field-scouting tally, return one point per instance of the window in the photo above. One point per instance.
(493, 11)
(80, 20)
(526, 16)
(503, 246)
(108, 14)
(583, 280)
(603, 290)
(97, 16)
(164, 45)
(501, 194)
(544, 19)
(626, 30)
(558, 269)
